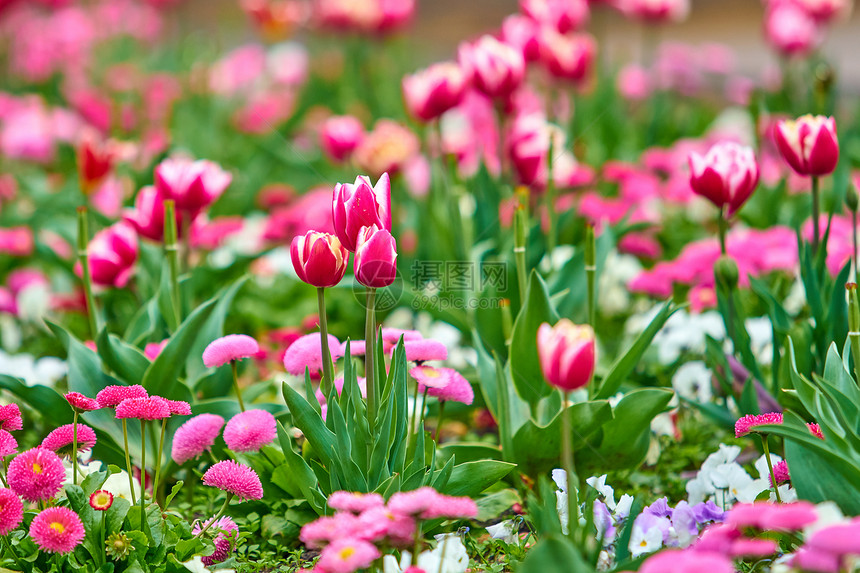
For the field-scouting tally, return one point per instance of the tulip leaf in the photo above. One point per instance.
(554, 554)
(127, 361)
(47, 401)
(525, 364)
(471, 478)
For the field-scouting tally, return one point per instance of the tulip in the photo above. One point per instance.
(521, 32)
(358, 205)
(726, 175)
(431, 92)
(340, 135)
(566, 353)
(193, 185)
(375, 257)
(655, 10)
(566, 57)
(790, 29)
(147, 217)
(95, 161)
(808, 144)
(319, 259)
(495, 68)
(562, 15)
(386, 149)
(826, 10)
(112, 254)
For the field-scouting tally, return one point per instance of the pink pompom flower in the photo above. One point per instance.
(113, 395)
(235, 479)
(82, 403)
(10, 417)
(427, 503)
(305, 352)
(749, 422)
(423, 350)
(11, 511)
(347, 555)
(225, 531)
(149, 408)
(195, 437)
(61, 439)
(780, 474)
(446, 384)
(57, 530)
(36, 475)
(354, 502)
(250, 430)
(228, 349)
(178, 407)
(8, 444)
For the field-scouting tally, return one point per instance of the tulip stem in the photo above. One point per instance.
(86, 276)
(127, 459)
(413, 419)
(170, 249)
(590, 272)
(854, 326)
(75, 447)
(550, 195)
(770, 466)
(854, 238)
(234, 366)
(142, 472)
(328, 368)
(815, 215)
(567, 463)
(370, 357)
(520, 231)
(723, 230)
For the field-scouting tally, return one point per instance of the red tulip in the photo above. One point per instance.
(808, 144)
(566, 353)
(319, 259)
(726, 175)
(358, 205)
(375, 257)
(95, 161)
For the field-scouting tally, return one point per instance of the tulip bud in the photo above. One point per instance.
(726, 272)
(431, 92)
(851, 198)
(496, 69)
(112, 254)
(95, 162)
(726, 175)
(375, 257)
(358, 205)
(193, 185)
(566, 353)
(340, 135)
(567, 57)
(808, 144)
(319, 259)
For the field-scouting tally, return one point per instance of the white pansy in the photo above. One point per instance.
(617, 271)
(622, 508)
(449, 556)
(117, 484)
(644, 541)
(608, 493)
(46, 371)
(195, 565)
(761, 337)
(682, 332)
(693, 381)
(503, 530)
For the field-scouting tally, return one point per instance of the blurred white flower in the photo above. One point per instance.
(693, 381)
(45, 371)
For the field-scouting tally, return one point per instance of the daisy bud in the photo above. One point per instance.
(319, 259)
(808, 144)
(566, 353)
(358, 205)
(726, 175)
(375, 257)
(496, 69)
(101, 500)
(433, 91)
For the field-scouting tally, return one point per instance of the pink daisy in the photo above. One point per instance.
(347, 555)
(11, 511)
(229, 348)
(113, 395)
(234, 478)
(306, 353)
(327, 528)
(356, 348)
(338, 384)
(414, 502)
(452, 508)
(250, 430)
(8, 444)
(61, 439)
(178, 407)
(424, 350)
(780, 474)
(150, 408)
(379, 522)
(443, 383)
(816, 430)
(101, 500)
(391, 336)
(354, 502)
(225, 530)
(195, 437)
(57, 530)
(36, 475)
(10, 418)
(82, 403)
(746, 424)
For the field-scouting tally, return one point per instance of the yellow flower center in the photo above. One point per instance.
(347, 552)
(37, 468)
(58, 527)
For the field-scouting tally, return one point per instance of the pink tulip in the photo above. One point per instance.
(359, 205)
(319, 259)
(375, 257)
(95, 161)
(495, 68)
(147, 217)
(655, 10)
(726, 175)
(562, 15)
(808, 144)
(340, 135)
(112, 254)
(193, 185)
(386, 149)
(16, 241)
(433, 91)
(566, 57)
(825, 10)
(566, 353)
(791, 30)
(634, 83)
(521, 32)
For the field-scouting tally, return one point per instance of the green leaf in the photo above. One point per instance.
(624, 365)
(817, 480)
(471, 478)
(493, 505)
(748, 403)
(300, 474)
(554, 554)
(525, 365)
(127, 361)
(47, 401)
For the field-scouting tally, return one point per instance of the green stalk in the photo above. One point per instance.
(590, 271)
(770, 466)
(520, 217)
(550, 200)
(86, 276)
(439, 420)
(854, 240)
(328, 367)
(217, 517)
(413, 418)
(567, 463)
(854, 326)
(127, 458)
(815, 215)
(723, 225)
(142, 472)
(235, 368)
(102, 554)
(75, 447)
(370, 358)
(158, 461)
(171, 252)
(12, 551)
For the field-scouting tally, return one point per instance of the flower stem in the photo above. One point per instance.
(328, 368)
(86, 276)
(723, 225)
(102, 555)
(13, 553)
(127, 459)
(235, 368)
(815, 215)
(75, 447)
(550, 198)
(567, 463)
(770, 466)
(412, 419)
(370, 357)
(590, 271)
(854, 237)
(520, 231)
(171, 252)
(217, 517)
(142, 472)
(439, 420)
(158, 461)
